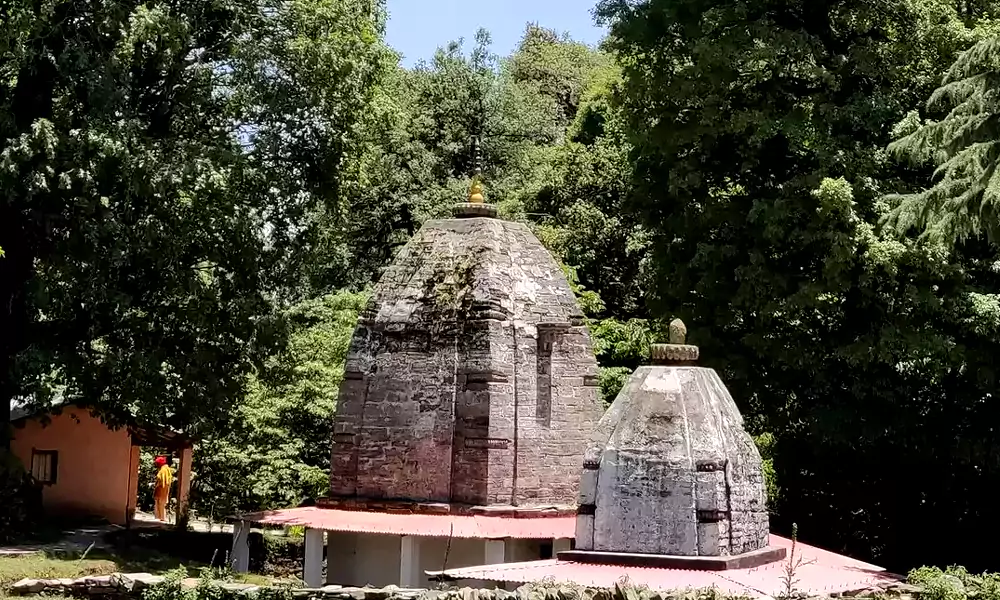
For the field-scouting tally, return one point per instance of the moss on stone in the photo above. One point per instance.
(449, 289)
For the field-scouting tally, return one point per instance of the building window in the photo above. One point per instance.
(44, 466)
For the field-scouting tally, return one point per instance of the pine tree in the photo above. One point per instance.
(964, 146)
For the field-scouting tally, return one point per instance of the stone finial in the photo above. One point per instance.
(678, 332)
(676, 351)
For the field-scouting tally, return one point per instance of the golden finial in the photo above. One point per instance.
(476, 192)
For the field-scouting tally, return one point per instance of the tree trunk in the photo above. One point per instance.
(31, 100)
(15, 275)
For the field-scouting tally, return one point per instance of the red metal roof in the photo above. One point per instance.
(820, 572)
(430, 525)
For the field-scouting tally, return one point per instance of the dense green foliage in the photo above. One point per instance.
(160, 166)
(196, 195)
(18, 499)
(277, 453)
(954, 583)
(759, 133)
(964, 145)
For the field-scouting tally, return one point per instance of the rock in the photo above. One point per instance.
(127, 582)
(121, 582)
(145, 580)
(903, 588)
(27, 586)
(865, 592)
(190, 583)
(100, 591)
(100, 581)
(244, 588)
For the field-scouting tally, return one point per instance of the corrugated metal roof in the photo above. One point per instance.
(820, 571)
(430, 525)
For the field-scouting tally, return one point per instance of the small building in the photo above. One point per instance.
(87, 469)
(469, 395)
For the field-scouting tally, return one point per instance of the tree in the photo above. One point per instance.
(160, 166)
(581, 206)
(758, 133)
(557, 67)
(418, 156)
(277, 453)
(965, 147)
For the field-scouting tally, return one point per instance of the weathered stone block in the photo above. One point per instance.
(27, 586)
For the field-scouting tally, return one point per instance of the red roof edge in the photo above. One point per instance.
(475, 526)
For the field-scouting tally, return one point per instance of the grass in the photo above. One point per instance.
(136, 551)
(63, 566)
(72, 566)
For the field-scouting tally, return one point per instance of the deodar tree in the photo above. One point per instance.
(963, 145)
(160, 166)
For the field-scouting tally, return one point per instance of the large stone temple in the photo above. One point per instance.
(470, 379)
(469, 399)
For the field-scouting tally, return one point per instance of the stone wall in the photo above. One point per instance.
(134, 585)
(470, 377)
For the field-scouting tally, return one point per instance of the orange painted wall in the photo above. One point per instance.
(94, 463)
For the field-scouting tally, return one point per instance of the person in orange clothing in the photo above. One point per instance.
(161, 493)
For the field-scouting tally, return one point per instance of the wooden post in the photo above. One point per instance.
(312, 570)
(133, 486)
(183, 488)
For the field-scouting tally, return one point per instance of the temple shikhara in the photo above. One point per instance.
(470, 396)
(470, 444)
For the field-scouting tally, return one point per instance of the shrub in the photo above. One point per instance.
(955, 583)
(20, 499)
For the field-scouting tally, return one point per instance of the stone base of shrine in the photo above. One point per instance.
(747, 560)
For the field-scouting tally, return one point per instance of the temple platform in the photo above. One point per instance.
(816, 572)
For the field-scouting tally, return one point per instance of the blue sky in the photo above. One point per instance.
(417, 27)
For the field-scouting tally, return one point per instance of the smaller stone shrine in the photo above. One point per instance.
(670, 469)
(672, 497)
